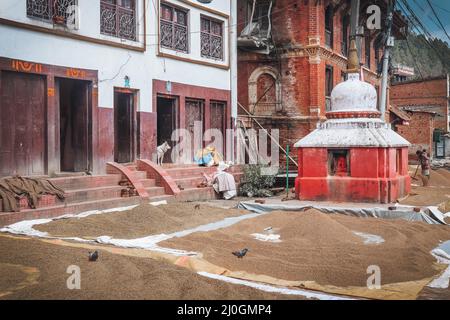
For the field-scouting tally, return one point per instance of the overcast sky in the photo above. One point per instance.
(423, 11)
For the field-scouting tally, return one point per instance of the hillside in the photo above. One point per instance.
(430, 62)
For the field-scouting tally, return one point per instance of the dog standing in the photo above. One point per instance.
(161, 151)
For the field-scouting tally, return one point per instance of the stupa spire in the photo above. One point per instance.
(353, 65)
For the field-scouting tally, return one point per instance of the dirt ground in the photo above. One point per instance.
(141, 221)
(322, 247)
(32, 269)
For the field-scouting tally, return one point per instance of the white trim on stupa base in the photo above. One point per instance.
(359, 132)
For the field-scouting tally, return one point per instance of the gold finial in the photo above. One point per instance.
(353, 61)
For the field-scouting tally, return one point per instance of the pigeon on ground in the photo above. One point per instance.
(93, 256)
(197, 207)
(240, 254)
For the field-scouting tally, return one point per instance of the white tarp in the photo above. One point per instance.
(405, 213)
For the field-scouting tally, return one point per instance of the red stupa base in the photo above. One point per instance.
(377, 175)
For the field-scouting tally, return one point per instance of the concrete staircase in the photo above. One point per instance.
(84, 193)
(188, 177)
(155, 191)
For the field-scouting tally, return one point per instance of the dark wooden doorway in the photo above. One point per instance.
(22, 124)
(195, 113)
(74, 106)
(218, 121)
(124, 125)
(167, 111)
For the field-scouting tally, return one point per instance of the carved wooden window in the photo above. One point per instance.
(57, 11)
(211, 38)
(118, 18)
(174, 28)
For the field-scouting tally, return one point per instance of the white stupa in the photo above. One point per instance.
(354, 119)
(354, 156)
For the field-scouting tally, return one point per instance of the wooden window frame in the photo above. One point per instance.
(49, 16)
(118, 7)
(174, 24)
(329, 30)
(210, 35)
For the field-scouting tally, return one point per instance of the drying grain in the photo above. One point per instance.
(322, 247)
(141, 221)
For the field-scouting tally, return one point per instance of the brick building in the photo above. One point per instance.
(415, 126)
(291, 53)
(427, 102)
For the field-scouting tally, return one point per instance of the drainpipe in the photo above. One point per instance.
(389, 46)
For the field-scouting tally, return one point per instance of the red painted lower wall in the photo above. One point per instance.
(376, 175)
(147, 134)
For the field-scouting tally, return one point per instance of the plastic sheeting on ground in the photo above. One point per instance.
(442, 254)
(401, 213)
(272, 289)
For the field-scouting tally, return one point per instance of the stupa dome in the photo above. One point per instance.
(353, 97)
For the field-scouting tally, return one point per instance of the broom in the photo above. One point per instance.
(415, 173)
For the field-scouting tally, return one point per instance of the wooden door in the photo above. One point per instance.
(22, 124)
(218, 122)
(125, 128)
(80, 127)
(167, 122)
(194, 115)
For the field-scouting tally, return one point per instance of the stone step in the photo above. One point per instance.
(155, 191)
(197, 194)
(7, 218)
(196, 171)
(194, 181)
(46, 200)
(100, 193)
(132, 167)
(68, 183)
(140, 175)
(148, 183)
(167, 197)
(189, 182)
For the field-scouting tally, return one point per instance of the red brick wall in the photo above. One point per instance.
(430, 92)
(295, 25)
(419, 132)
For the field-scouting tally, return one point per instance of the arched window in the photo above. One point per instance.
(329, 11)
(264, 92)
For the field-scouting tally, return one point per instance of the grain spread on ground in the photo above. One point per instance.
(322, 247)
(113, 276)
(141, 221)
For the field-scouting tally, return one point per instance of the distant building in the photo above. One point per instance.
(426, 103)
(402, 73)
